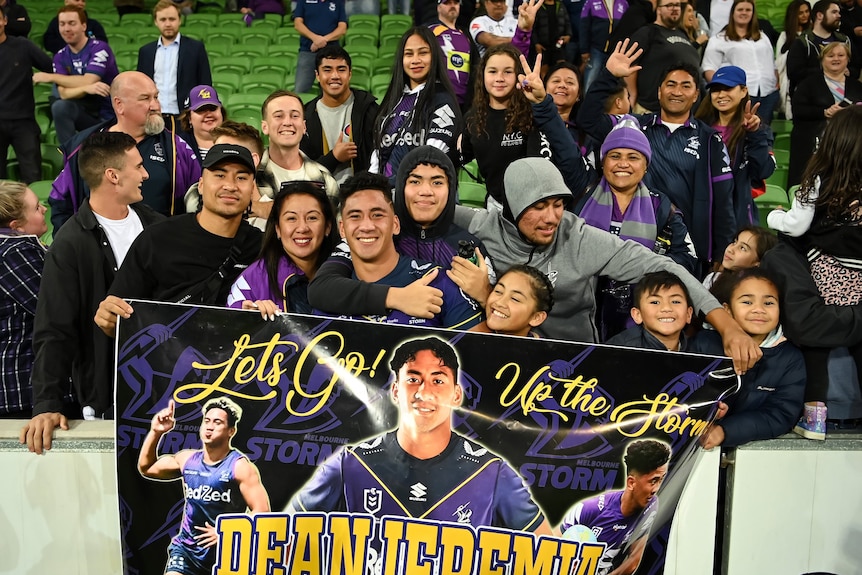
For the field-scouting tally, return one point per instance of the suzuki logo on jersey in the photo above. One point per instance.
(207, 493)
(372, 500)
(418, 492)
(444, 117)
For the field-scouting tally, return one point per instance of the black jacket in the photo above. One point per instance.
(805, 318)
(803, 58)
(79, 269)
(770, 400)
(361, 125)
(193, 66)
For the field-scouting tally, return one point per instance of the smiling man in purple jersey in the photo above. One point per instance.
(622, 519)
(389, 474)
(216, 479)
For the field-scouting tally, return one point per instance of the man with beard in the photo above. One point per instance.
(803, 58)
(663, 43)
(169, 160)
(458, 49)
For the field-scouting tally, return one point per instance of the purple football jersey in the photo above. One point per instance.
(603, 516)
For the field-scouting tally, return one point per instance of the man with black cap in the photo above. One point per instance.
(535, 229)
(425, 196)
(193, 258)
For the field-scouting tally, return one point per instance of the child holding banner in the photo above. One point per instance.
(771, 397)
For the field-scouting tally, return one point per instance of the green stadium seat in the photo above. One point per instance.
(227, 81)
(251, 51)
(357, 38)
(206, 17)
(242, 101)
(774, 197)
(220, 50)
(307, 97)
(782, 142)
(369, 20)
(386, 55)
(397, 22)
(53, 157)
(470, 173)
(282, 61)
(362, 64)
(262, 25)
(390, 41)
(362, 49)
(221, 37)
(198, 30)
(42, 189)
(144, 19)
(240, 65)
(782, 157)
(380, 82)
(778, 177)
(256, 37)
(780, 126)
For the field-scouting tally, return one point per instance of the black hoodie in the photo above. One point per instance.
(333, 290)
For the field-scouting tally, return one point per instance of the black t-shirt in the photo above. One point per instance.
(174, 259)
(662, 48)
(495, 148)
(18, 57)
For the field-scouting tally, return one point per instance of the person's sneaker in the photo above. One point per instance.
(812, 424)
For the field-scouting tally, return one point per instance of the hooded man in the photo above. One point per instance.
(425, 197)
(536, 230)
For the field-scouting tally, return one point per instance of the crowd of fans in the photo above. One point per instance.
(621, 145)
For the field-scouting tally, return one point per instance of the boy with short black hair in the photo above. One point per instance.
(662, 309)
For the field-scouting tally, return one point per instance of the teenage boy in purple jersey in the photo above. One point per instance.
(423, 469)
(622, 519)
(216, 479)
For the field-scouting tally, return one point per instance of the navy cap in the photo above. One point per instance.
(728, 77)
(221, 153)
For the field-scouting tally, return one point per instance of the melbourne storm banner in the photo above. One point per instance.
(316, 446)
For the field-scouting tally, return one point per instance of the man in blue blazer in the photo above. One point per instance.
(175, 63)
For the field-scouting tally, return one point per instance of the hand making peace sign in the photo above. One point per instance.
(530, 82)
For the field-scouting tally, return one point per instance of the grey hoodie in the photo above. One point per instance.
(578, 254)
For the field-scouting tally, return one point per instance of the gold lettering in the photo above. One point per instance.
(662, 413)
(240, 368)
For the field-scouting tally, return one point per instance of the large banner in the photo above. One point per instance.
(477, 454)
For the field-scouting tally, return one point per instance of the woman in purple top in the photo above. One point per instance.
(300, 234)
(22, 257)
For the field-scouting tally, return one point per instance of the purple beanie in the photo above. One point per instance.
(627, 134)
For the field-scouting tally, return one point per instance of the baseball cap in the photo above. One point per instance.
(728, 77)
(228, 153)
(203, 95)
(444, 1)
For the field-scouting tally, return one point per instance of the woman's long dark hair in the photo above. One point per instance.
(437, 79)
(271, 250)
(706, 112)
(791, 22)
(838, 163)
(519, 113)
(753, 31)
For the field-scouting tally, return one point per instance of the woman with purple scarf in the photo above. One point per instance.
(621, 204)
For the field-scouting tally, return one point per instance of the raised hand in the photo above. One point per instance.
(417, 299)
(471, 278)
(621, 62)
(530, 82)
(163, 421)
(527, 14)
(750, 119)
